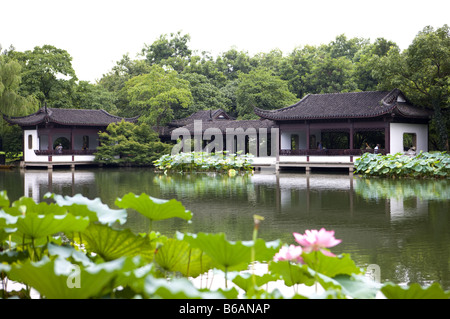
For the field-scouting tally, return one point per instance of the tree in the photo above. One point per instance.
(47, 74)
(260, 88)
(173, 51)
(295, 68)
(422, 71)
(159, 96)
(205, 95)
(96, 97)
(365, 61)
(234, 62)
(205, 65)
(330, 75)
(12, 104)
(342, 47)
(126, 143)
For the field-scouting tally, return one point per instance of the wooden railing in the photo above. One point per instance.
(64, 152)
(330, 152)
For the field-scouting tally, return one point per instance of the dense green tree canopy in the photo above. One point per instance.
(159, 96)
(47, 74)
(423, 72)
(168, 80)
(260, 88)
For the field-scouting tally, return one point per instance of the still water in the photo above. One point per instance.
(402, 226)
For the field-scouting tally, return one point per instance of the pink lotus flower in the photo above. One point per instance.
(314, 240)
(290, 253)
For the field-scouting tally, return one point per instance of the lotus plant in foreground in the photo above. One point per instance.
(317, 240)
(290, 253)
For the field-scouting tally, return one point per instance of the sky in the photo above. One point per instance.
(97, 33)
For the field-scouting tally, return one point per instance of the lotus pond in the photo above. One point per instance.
(400, 227)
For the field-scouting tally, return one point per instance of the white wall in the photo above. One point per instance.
(396, 135)
(28, 154)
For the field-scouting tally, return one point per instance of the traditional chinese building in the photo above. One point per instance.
(54, 136)
(338, 127)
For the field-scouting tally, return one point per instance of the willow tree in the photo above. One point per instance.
(422, 71)
(12, 104)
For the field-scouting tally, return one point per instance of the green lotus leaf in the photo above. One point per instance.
(245, 280)
(354, 286)
(36, 226)
(414, 291)
(67, 252)
(94, 209)
(264, 251)
(292, 274)
(4, 200)
(154, 208)
(177, 256)
(331, 266)
(227, 255)
(7, 220)
(134, 279)
(59, 279)
(179, 288)
(358, 286)
(111, 244)
(29, 206)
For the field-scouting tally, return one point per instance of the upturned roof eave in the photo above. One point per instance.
(324, 117)
(42, 117)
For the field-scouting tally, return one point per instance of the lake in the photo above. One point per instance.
(401, 226)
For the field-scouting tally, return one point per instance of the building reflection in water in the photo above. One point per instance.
(290, 191)
(38, 182)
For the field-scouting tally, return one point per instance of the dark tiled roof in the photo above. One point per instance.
(204, 115)
(68, 117)
(232, 124)
(346, 105)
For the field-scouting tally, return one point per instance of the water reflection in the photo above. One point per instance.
(401, 225)
(283, 194)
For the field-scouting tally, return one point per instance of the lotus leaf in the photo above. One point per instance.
(94, 209)
(330, 266)
(111, 244)
(154, 208)
(414, 291)
(181, 288)
(57, 278)
(177, 256)
(34, 226)
(292, 274)
(227, 255)
(4, 201)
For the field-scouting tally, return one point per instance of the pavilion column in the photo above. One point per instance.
(352, 132)
(387, 137)
(72, 137)
(308, 136)
(50, 144)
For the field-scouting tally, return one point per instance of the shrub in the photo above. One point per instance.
(423, 165)
(205, 162)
